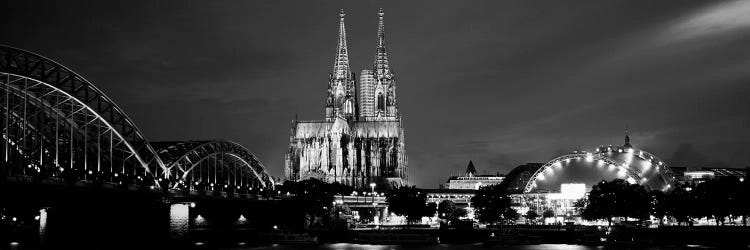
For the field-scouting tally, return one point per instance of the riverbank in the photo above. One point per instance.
(524, 234)
(515, 235)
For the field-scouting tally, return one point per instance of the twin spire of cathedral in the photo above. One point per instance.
(376, 98)
(341, 63)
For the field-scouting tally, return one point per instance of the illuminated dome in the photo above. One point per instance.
(606, 163)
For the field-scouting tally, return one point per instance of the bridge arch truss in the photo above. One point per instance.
(213, 165)
(57, 125)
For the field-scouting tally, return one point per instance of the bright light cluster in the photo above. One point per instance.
(634, 166)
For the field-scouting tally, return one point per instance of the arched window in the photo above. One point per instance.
(394, 162)
(348, 107)
(381, 102)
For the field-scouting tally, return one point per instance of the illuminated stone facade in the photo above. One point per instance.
(358, 142)
(471, 180)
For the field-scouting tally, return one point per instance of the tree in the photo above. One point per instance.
(548, 214)
(601, 202)
(410, 202)
(367, 214)
(510, 215)
(459, 212)
(430, 210)
(744, 197)
(658, 207)
(446, 209)
(616, 198)
(490, 202)
(719, 198)
(580, 208)
(681, 204)
(531, 216)
(313, 197)
(637, 202)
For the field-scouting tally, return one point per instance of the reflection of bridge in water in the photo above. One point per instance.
(61, 133)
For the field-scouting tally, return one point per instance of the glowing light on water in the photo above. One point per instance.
(199, 220)
(242, 219)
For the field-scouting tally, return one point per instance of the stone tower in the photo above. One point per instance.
(341, 100)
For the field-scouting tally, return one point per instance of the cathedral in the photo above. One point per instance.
(361, 139)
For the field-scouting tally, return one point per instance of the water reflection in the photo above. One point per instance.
(347, 246)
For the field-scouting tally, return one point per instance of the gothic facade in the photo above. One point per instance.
(361, 139)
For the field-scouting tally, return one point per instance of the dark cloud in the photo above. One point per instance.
(501, 83)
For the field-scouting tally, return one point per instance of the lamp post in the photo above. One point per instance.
(372, 186)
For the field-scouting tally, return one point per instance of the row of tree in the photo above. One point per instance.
(411, 203)
(492, 205)
(718, 199)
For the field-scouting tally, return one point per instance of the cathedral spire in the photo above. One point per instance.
(341, 63)
(381, 60)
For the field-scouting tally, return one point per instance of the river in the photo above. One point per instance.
(347, 246)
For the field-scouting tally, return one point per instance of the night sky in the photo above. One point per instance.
(501, 83)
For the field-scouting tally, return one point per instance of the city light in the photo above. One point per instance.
(631, 180)
(573, 190)
(56, 120)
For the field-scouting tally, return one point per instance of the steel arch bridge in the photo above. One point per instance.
(58, 127)
(223, 165)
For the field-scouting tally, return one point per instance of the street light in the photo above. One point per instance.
(372, 186)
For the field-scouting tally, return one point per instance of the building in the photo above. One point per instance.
(515, 181)
(695, 176)
(471, 180)
(361, 139)
(559, 183)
